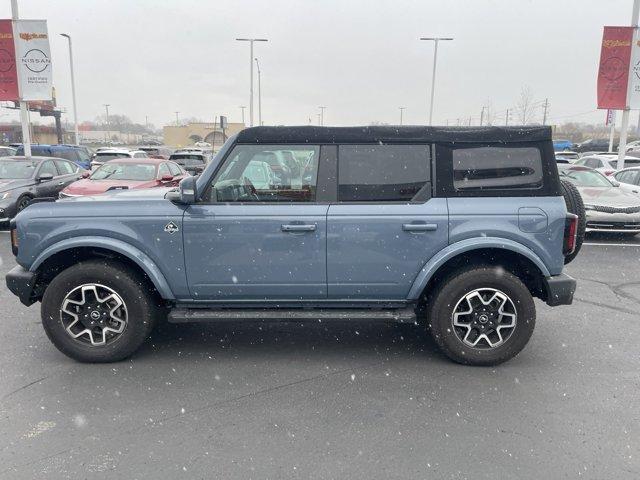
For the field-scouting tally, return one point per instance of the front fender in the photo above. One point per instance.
(464, 246)
(118, 246)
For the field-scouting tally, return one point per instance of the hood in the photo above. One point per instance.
(94, 187)
(142, 194)
(10, 184)
(608, 197)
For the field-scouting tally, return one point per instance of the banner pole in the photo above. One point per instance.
(622, 147)
(24, 114)
(612, 134)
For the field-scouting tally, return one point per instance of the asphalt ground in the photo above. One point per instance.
(349, 400)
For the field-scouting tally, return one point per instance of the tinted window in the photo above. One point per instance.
(479, 168)
(106, 156)
(66, 168)
(175, 169)
(592, 163)
(370, 173)
(48, 167)
(163, 170)
(630, 176)
(261, 174)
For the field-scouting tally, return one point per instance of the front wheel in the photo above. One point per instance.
(481, 316)
(98, 311)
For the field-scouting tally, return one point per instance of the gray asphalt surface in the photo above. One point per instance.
(359, 400)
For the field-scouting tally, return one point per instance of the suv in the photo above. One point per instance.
(77, 154)
(459, 227)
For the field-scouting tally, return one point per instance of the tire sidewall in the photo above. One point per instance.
(459, 286)
(135, 297)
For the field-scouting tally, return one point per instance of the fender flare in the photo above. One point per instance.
(118, 246)
(463, 246)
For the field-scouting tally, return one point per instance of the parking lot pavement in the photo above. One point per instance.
(349, 400)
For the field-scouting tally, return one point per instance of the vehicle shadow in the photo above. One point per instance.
(255, 339)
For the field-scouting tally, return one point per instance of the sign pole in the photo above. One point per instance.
(622, 147)
(611, 121)
(24, 114)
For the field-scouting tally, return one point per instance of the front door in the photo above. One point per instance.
(48, 188)
(258, 234)
(385, 226)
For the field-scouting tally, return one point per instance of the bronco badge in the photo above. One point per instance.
(171, 228)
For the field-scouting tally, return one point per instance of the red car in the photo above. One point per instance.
(127, 173)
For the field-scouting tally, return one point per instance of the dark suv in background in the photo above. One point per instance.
(77, 154)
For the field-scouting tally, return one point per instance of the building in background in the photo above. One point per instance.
(12, 133)
(183, 135)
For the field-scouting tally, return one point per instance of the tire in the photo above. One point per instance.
(86, 286)
(449, 298)
(23, 202)
(573, 200)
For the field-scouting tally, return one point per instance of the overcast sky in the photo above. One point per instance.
(360, 58)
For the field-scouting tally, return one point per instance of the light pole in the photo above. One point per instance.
(73, 90)
(106, 109)
(242, 107)
(259, 95)
(622, 146)
(24, 111)
(177, 119)
(322, 109)
(402, 109)
(251, 57)
(435, 40)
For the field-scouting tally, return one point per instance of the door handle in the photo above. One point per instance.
(419, 227)
(298, 228)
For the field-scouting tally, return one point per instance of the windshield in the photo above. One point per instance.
(125, 171)
(585, 178)
(106, 156)
(188, 160)
(16, 170)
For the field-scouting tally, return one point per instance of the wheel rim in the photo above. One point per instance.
(24, 203)
(484, 318)
(94, 314)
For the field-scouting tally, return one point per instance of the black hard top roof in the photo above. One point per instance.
(392, 134)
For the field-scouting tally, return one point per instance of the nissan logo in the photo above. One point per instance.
(36, 60)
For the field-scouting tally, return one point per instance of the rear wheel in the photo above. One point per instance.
(573, 200)
(481, 315)
(98, 311)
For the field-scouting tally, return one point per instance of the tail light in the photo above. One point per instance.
(570, 234)
(14, 241)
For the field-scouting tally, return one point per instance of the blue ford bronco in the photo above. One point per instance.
(453, 228)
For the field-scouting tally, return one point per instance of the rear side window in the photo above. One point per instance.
(490, 168)
(382, 173)
(66, 168)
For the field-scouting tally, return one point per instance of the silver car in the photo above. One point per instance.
(608, 207)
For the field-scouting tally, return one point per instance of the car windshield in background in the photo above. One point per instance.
(16, 170)
(188, 160)
(585, 178)
(125, 171)
(628, 162)
(105, 157)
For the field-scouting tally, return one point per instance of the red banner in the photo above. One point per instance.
(8, 72)
(613, 74)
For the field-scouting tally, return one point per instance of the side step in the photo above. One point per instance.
(186, 315)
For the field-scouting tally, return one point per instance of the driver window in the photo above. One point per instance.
(267, 173)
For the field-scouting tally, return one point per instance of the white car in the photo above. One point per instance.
(103, 156)
(629, 179)
(606, 164)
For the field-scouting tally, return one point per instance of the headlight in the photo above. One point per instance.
(5, 195)
(589, 207)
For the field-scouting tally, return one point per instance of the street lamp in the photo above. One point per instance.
(402, 109)
(73, 90)
(106, 108)
(435, 40)
(251, 57)
(177, 119)
(322, 109)
(259, 95)
(242, 107)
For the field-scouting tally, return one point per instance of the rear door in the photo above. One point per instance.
(68, 172)
(385, 225)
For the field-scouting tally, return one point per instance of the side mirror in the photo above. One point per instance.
(187, 192)
(615, 182)
(166, 178)
(44, 177)
(86, 174)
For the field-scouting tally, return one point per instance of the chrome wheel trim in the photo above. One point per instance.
(101, 330)
(476, 328)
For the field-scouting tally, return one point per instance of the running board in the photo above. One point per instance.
(186, 315)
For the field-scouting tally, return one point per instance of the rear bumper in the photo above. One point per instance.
(560, 289)
(22, 283)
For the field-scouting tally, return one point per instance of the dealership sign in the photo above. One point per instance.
(613, 74)
(25, 60)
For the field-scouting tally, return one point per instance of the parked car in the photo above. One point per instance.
(125, 174)
(157, 152)
(192, 162)
(608, 207)
(594, 144)
(606, 164)
(22, 180)
(560, 145)
(373, 228)
(78, 155)
(103, 156)
(568, 155)
(7, 151)
(629, 179)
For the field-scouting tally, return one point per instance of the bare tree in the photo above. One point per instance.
(525, 108)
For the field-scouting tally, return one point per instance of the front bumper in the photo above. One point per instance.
(22, 282)
(560, 289)
(613, 222)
